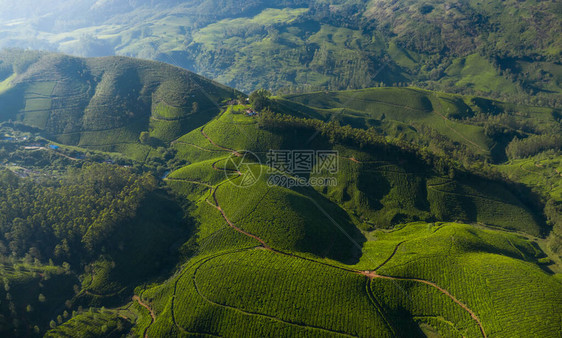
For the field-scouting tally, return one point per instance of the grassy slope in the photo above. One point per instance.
(500, 265)
(385, 107)
(476, 72)
(542, 171)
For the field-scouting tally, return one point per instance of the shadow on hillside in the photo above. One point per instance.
(332, 234)
(144, 249)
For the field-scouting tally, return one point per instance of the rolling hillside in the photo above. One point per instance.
(477, 127)
(106, 103)
(408, 281)
(191, 232)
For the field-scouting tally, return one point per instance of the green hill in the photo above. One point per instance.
(379, 186)
(106, 103)
(473, 127)
(408, 281)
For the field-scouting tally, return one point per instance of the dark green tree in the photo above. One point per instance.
(144, 137)
(259, 99)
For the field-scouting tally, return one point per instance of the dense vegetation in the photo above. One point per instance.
(44, 221)
(81, 223)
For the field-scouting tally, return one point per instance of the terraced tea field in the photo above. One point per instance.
(419, 277)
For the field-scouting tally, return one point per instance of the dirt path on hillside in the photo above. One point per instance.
(453, 129)
(391, 255)
(214, 192)
(214, 165)
(198, 147)
(152, 315)
(259, 314)
(373, 274)
(234, 152)
(219, 208)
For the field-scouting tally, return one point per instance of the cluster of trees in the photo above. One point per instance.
(260, 99)
(332, 130)
(553, 212)
(532, 145)
(393, 149)
(67, 220)
(443, 146)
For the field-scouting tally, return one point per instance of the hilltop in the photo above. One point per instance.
(105, 103)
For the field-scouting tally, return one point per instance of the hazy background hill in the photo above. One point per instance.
(506, 49)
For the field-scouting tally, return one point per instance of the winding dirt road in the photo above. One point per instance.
(391, 255)
(373, 274)
(152, 315)
(218, 207)
(234, 152)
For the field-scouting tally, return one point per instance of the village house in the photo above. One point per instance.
(251, 112)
